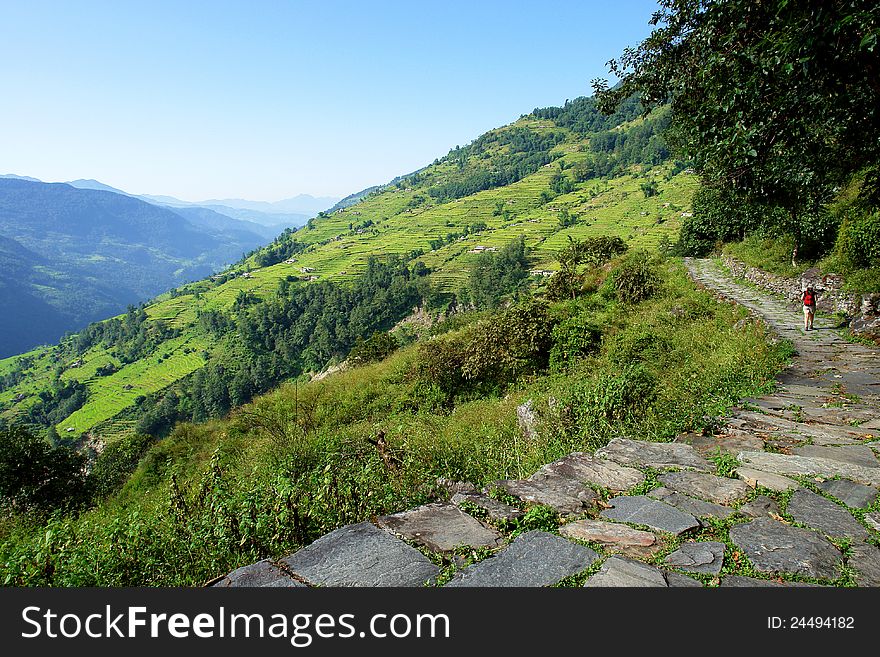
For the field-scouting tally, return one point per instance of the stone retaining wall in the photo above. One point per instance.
(862, 310)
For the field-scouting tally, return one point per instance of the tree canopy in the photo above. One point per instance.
(776, 100)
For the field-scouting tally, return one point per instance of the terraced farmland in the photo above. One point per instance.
(405, 219)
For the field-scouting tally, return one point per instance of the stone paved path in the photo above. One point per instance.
(802, 511)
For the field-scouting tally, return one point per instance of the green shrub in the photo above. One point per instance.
(636, 278)
(636, 344)
(859, 238)
(377, 347)
(573, 339)
(34, 474)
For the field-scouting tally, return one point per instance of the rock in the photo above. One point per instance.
(641, 510)
(619, 571)
(873, 519)
(760, 507)
(655, 455)
(698, 557)
(527, 419)
(613, 536)
(855, 454)
(707, 487)
(440, 528)
(865, 559)
(732, 443)
(756, 478)
(263, 573)
(786, 464)
(601, 472)
(453, 487)
(494, 509)
(361, 555)
(834, 520)
(691, 505)
(534, 559)
(565, 495)
(775, 547)
(855, 495)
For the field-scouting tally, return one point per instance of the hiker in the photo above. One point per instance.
(809, 299)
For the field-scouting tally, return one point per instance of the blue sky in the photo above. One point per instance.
(266, 100)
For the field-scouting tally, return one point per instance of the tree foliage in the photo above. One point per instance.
(776, 101)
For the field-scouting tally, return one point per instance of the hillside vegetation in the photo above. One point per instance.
(637, 352)
(554, 175)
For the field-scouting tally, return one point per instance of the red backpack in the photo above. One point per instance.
(808, 298)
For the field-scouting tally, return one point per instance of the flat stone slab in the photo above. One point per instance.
(698, 557)
(755, 478)
(494, 509)
(361, 555)
(566, 495)
(708, 487)
(619, 571)
(791, 464)
(642, 510)
(865, 559)
(533, 559)
(601, 472)
(727, 443)
(263, 574)
(642, 453)
(775, 547)
(691, 505)
(613, 536)
(873, 520)
(834, 520)
(855, 454)
(857, 496)
(760, 506)
(441, 528)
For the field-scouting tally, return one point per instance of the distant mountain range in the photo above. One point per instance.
(74, 253)
(287, 213)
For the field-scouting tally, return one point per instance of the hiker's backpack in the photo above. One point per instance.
(808, 298)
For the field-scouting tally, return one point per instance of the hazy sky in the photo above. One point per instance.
(266, 100)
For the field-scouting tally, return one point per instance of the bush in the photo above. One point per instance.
(573, 339)
(377, 347)
(636, 345)
(34, 474)
(636, 278)
(858, 240)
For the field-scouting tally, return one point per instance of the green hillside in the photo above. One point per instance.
(545, 179)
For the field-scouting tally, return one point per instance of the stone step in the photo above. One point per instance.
(775, 547)
(261, 574)
(793, 465)
(820, 513)
(642, 510)
(440, 528)
(567, 496)
(720, 490)
(691, 505)
(857, 496)
(598, 471)
(642, 453)
(613, 536)
(534, 559)
(495, 510)
(622, 572)
(704, 557)
(361, 555)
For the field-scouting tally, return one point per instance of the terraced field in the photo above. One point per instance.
(397, 219)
